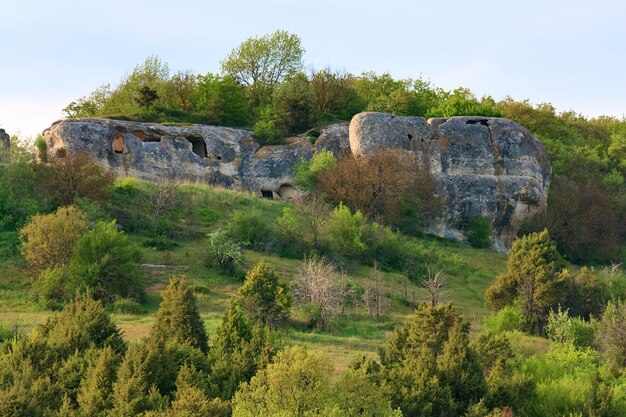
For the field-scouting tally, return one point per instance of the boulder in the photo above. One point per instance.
(5, 141)
(488, 168)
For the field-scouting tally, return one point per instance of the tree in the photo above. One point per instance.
(178, 318)
(105, 260)
(262, 62)
(380, 188)
(263, 296)
(97, 385)
(48, 240)
(221, 99)
(434, 284)
(76, 175)
(535, 276)
(295, 384)
(612, 334)
(240, 349)
(190, 399)
(318, 287)
(82, 324)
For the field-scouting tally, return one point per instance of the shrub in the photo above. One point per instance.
(105, 260)
(48, 240)
(478, 233)
(224, 252)
(75, 176)
(127, 306)
(307, 173)
(506, 319)
(263, 296)
(380, 188)
(344, 231)
(250, 228)
(561, 328)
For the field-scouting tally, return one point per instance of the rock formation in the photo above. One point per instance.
(484, 167)
(488, 168)
(5, 141)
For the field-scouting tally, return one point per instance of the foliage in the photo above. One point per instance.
(178, 318)
(262, 62)
(73, 176)
(48, 240)
(380, 189)
(344, 231)
(612, 334)
(561, 328)
(479, 233)
(223, 251)
(240, 348)
(308, 172)
(105, 260)
(264, 297)
(222, 100)
(507, 319)
(535, 277)
(249, 228)
(83, 323)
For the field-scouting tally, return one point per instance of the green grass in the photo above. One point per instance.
(469, 272)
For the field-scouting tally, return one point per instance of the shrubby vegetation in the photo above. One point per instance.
(554, 344)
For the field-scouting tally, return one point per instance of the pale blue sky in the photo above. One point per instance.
(570, 53)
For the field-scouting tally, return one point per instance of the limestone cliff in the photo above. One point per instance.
(483, 167)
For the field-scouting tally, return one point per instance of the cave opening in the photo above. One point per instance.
(269, 194)
(198, 146)
(482, 122)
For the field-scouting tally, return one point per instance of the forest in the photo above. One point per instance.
(122, 297)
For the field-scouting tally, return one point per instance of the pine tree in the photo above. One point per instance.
(191, 400)
(239, 350)
(178, 318)
(263, 296)
(97, 386)
(460, 369)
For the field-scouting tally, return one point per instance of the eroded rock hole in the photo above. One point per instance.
(267, 194)
(483, 122)
(118, 144)
(61, 153)
(198, 146)
(287, 192)
(410, 136)
(145, 137)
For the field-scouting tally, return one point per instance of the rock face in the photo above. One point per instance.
(488, 168)
(484, 167)
(4, 141)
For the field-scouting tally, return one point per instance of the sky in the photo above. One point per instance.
(569, 53)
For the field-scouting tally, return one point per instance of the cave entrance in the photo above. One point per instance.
(118, 144)
(482, 122)
(198, 146)
(269, 194)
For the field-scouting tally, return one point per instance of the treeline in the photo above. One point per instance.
(263, 86)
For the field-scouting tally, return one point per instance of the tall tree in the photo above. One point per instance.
(178, 318)
(262, 62)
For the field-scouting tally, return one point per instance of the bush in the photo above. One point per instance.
(105, 260)
(380, 188)
(508, 319)
(127, 306)
(250, 228)
(75, 176)
(561, 328)
(48, 240)
(478, 233)
(344, 231)
(307, 173)
(224, 252)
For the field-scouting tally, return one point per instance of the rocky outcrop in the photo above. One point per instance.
(484, 167)
(5, 141)
(488, 168)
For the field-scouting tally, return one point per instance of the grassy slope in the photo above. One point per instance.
(469, 272)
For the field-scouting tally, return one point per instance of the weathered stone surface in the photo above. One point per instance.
(4, 141)
(484, 167)
(334, 138)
